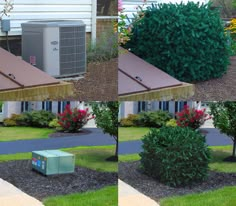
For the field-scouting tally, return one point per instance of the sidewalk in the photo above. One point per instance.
(128, 196)
(12, 196)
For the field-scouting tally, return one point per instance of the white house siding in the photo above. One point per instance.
(133, 107)
(14, 107)
(10, 108)
(130, 6)
(28, 10)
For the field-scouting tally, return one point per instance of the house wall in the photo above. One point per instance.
(130, 6)
(26, 10)
(14, 107)
(136, 107)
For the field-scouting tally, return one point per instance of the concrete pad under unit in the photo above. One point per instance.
(128, 196)
(12, 196)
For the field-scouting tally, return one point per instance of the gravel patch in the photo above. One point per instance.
(100, 83)
(19, 173)
(218, 89)
(130, 173)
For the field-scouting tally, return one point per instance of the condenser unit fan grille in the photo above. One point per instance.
(72, 50)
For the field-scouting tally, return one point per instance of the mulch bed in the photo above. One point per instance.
(223, 88)
(67, 134)
(131, 174)
(19, 173)
(99, 84)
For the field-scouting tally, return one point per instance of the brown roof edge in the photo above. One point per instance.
(48, 92)
(183, 92)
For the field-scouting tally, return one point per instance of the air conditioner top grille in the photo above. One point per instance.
(54, 23)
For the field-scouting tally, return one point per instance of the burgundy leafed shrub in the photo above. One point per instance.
(72, 120)
(190, 117)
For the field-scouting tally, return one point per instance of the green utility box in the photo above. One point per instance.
(50, 162)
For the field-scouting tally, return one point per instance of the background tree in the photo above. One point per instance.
(227, 9)
(224, 118)
(234, 3)
(106, 118)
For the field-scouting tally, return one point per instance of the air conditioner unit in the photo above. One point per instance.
(57, 47)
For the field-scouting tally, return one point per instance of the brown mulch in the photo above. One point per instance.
(223, 88)
(20, 174)
(100, 83)
(131, 173)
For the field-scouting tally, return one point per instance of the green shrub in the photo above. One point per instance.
(8, 122)
(171, 123)
(175, 156)
(105, 49)
(37, 118)
(55, 124)
(154, 119)
(14, 120)
(186, 41)
(130, 121)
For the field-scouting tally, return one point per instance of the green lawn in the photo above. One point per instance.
(216, 164)
(132, 133)
(90, 157)
(129, 158)
(222, 197)
(218, 154)
(107, 196)
(20, 133)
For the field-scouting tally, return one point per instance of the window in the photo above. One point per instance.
(61, 106)
(141, 106)
(47, 106)
(107, 7)
(164, 105)
(1, 107)
(181, 105)
(24, 106)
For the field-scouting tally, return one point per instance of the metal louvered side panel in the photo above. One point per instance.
(72, 50)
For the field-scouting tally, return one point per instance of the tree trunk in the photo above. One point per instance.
(116, 154)
(234, 147)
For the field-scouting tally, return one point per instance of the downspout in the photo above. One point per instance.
(94, 22)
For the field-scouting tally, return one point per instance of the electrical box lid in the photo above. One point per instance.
(44, 153)
(59, 153)
(52, 153)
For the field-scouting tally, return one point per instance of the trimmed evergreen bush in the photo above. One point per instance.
(175, 156)
(186, 41)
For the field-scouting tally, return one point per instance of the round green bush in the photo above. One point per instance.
(175, 156)
(185, 41)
